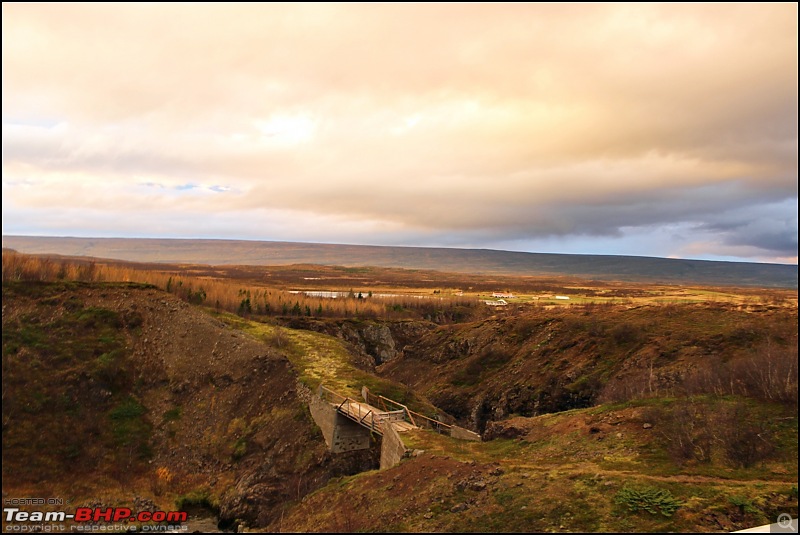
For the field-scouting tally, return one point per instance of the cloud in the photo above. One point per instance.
(770, 227)
(471, 124)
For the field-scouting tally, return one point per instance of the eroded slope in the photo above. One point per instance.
(118, 392)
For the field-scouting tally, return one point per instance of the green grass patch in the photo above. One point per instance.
(129, 427)
(198, 498)
(650, 499)
(173, 414)
(320, 359)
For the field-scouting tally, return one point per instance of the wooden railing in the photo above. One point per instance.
(414, 418)
(329, 395)
(360, 412)
(363, 413)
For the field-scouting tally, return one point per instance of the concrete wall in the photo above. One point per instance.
(349, 436)
(341, 433)
(325, 417)
(392, 448)
(464, 434)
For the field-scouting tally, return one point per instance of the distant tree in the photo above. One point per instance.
(245, 308)
(197, 297)
(62, 271)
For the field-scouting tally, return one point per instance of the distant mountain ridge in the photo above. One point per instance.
(241, 252)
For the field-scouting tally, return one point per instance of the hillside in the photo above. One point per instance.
(150, 401)
(605, 469)
(551, 360)
(143, 395)
(263, 253)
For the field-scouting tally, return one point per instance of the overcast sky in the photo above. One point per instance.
(653, 130)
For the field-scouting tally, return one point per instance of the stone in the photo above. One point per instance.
(458, 508)
(477, 485)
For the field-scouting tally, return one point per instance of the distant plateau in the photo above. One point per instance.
(477, 261)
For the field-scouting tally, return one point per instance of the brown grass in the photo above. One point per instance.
(244, 297)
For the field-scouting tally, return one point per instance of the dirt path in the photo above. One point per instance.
(591, 468)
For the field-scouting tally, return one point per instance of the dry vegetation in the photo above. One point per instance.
(711, 371)
(371, 293)
(115, 393)
(242, 295)
(586, 470)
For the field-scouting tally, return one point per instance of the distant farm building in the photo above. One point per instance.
(563, 297)
(498, 303)
(502, 295)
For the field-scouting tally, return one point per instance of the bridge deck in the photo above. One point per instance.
(371, 417)
(403, 426)
(368, 415)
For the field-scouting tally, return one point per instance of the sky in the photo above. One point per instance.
(665, 130)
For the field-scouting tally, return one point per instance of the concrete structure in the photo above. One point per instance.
(341, 433)
(392, 448)
(464, 434)
(350, 425)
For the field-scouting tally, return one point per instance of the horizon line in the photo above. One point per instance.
(681, 259)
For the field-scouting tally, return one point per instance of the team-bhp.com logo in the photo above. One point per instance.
(17, 520)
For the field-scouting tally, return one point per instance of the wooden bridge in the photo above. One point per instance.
(376, 419)
(349, 424)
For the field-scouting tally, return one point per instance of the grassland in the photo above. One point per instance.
(564, 475)
(223, 418)
(465, 261)
(320, 359)
(279, 291)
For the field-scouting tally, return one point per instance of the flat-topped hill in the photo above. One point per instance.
(239, 252)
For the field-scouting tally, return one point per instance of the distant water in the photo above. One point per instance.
(335, 295)
(320, 293)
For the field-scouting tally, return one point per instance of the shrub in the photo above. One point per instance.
(685, 429)
(127, 410)
(745, 506)
(692, 432)
(653, 500)
(625, 334)
(172, 414)
(198, 498)
(743, 440)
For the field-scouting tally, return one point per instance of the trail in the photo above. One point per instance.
(592, 468)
